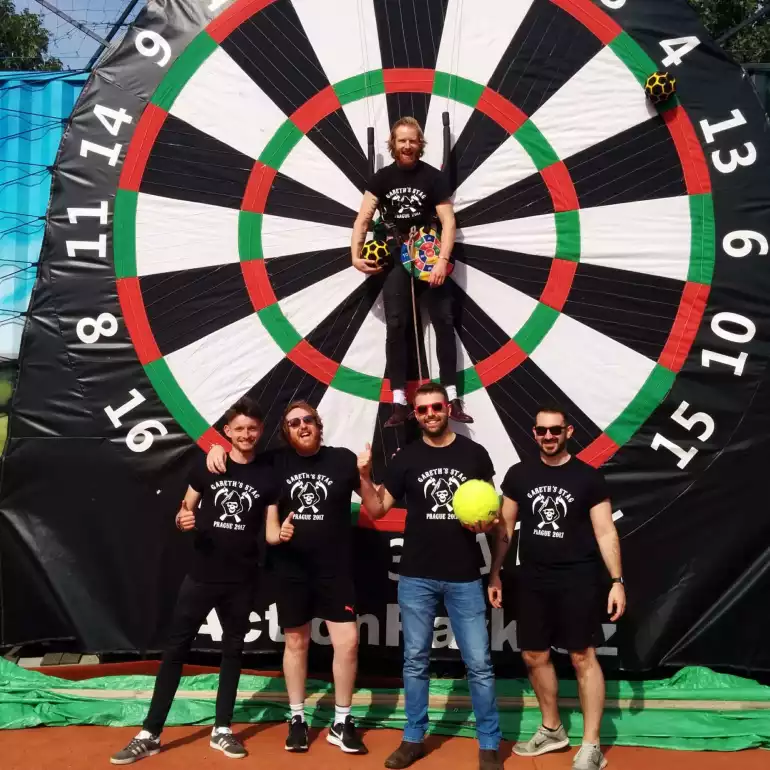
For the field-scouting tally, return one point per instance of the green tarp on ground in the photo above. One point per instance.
(696, 709)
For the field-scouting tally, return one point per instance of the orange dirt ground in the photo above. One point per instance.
(83, 748)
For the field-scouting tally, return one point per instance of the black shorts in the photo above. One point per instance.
(300, 599)
(567, 615)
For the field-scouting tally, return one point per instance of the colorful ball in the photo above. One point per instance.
(475, 502)
(426, 250)
(376, 251)
(660, 87)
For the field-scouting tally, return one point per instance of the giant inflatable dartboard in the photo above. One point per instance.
(611, 255)
(589, 224)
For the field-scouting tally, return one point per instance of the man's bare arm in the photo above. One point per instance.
(446, 215)
(376, 499)
(360, 228)
(504, 536)
(607, 537)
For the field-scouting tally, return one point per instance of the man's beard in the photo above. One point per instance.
(437, 429)
(299, 445)
(554, 450)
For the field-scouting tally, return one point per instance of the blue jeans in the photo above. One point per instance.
(418, 599)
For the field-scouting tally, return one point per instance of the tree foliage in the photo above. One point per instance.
(752, 45)
(24, 41)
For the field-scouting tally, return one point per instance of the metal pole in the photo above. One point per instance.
(760, 15)
(69, 19)
(114, 31)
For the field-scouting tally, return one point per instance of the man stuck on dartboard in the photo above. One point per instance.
(411, 194)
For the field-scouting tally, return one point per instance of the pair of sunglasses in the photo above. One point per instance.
(437, 408)
(295, 422)
(555, 430)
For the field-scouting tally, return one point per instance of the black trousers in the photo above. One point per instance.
(233, 603)
(439, 302)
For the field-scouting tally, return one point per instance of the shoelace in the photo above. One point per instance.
(136, 746)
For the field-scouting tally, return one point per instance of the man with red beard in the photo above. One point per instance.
(312, 564)
(411, 194)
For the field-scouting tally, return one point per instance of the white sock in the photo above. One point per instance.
(297, 710)
(591, 745)
(399, 397)
(340, 713)
(451, 392)
(145, 735)
(220, 730)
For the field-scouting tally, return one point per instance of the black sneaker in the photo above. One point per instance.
(344, 735)
(297, 738)
(137, 749)
(228, 744)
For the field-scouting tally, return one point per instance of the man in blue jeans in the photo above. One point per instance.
(440, 562)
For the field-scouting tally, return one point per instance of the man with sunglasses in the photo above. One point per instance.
(311, 565)
(440, 564)
(566, 531)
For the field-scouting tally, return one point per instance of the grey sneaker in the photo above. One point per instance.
(542, 742)
(589, 758)
(143, 745)
(224, 741)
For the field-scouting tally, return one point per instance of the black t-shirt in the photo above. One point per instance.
(230, 521)
(436, 545)
(409, 196)
(556, 536)
(318, 490)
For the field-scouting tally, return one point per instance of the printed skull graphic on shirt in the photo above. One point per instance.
(233, 503)
(441, 490)
(308, 494)
(551, 508)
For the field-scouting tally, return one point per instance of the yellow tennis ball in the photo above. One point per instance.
(475, 502)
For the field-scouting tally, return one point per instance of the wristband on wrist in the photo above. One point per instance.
(619, 580)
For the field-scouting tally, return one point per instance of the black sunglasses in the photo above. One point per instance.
(295, 422)
(556, 430)
(437, 407)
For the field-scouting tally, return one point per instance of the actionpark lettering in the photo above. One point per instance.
(502, 635)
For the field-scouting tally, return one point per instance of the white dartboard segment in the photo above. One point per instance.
(471, 47)
(600, 375)
(308, 165)
(221, 100)
(528, 235)
(354, 22)
(508, 164)
(601, 101)
(283, 236)
(488, 430)
(366, 352)
(218, 369)
(507, 307)
(173, 234)
(307, 308)
(651, 237)
(349, 421)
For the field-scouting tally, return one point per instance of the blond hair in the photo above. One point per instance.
(411, 123)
